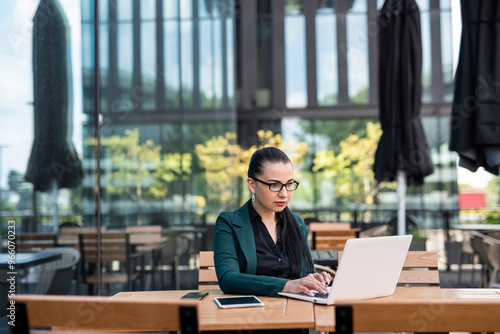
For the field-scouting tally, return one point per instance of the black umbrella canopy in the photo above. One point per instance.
(475, 119)
(53, 156)
(403, 146)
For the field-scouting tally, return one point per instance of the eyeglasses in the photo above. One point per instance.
(277, 186)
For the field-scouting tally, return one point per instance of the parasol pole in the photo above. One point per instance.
(401, 193)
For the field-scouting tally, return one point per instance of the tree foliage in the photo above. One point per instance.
(140, 170)
(351, 168)
(226, 162)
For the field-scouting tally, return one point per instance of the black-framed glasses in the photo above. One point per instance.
(277, 186)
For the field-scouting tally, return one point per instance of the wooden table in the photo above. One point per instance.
(277, 313)
(415, 309)
(27, 260)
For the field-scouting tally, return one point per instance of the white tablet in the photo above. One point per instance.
(238, 301)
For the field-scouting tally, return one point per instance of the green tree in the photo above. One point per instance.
(351, 168)
(225, 162)
(140, 170)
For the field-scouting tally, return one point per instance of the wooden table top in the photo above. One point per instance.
(421, 309)
(325, 227)
(277, 313)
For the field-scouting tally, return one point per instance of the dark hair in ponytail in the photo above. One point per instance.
(294, 243)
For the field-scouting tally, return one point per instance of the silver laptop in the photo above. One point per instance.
(369, 268)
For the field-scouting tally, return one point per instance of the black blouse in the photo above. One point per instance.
(271, 261)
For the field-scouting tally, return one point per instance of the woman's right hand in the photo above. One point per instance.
(305, 285)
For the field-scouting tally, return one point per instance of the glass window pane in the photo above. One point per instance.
(295, 61)
(293, 7)
(217, 51)
(264, 63)
(124, 10)
(264, 7)
(186, 9)
(172, 66)
(148, 64)
(170, 9)
(325, 7)
(206, 64)
(88, 65)
(423, 5)
(357, 58)
(326, 60)
(425, 25)
(148, 9)
(204, 8)
(104, 62)
(187, 63)
(87, 10)
(104, 10)
(124, 59)
(230, 70)
(447, 55)
(358, 6)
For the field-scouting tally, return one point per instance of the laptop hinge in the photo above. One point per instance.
(343, 319)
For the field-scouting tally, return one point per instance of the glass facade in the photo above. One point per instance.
(188, 86)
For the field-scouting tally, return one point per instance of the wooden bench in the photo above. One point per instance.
(88, 313)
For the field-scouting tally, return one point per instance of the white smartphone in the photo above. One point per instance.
(238, 301)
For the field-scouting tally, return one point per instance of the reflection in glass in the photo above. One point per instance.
(148, 64)
(326, 57)
(425, 25)
(230, 66)
(172, 66)
(187, 63)
(87, 65)
(264, 62)
(186, 9)
(170, 9)
(357, 57)
(104, 62)
(206, 64)
(125, 61)
(103, 10)
(148, 9)
(295, 55)
(358, 6)
(217, 48)
(447, 55)
(124, 10)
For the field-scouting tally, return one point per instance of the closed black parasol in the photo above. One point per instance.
(475, 119)
(53, 162)
(402, 148)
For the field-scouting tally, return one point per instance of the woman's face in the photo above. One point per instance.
(266, 200)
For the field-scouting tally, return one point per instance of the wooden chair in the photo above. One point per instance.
(148, 239)
(115, 247)
(330, 236)
(103, 314)
(332, 240)
(34, 242)
(68, 235)
(419, 268)
(207, 278)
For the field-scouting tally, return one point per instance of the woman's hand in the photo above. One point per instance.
(318, 282)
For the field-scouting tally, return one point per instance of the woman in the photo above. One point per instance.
(262, 248)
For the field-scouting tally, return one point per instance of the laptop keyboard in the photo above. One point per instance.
(320, 295)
